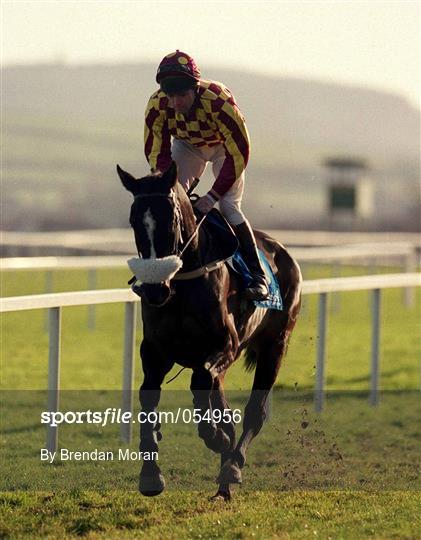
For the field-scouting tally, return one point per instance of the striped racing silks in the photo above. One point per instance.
(213, 119)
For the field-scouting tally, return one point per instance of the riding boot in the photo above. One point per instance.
(258, 288)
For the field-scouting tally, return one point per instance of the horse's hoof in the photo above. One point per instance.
(221, 495)
(230, 473)
(151, 486)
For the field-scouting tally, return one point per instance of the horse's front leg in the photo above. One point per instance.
(151, 481)
(201, 386)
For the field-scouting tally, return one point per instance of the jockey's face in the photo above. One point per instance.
(182, 101)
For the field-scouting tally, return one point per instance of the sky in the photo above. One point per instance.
(370, 43)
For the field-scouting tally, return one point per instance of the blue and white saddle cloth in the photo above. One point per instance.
(274, 300)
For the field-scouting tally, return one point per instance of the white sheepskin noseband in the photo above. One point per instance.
(155, 270)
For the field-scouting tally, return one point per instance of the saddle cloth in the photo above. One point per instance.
(224, 237)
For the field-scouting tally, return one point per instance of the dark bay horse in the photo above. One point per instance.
(202, 323)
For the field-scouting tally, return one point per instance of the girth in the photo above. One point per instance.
(210, 267)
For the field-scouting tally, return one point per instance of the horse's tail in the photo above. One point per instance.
(279, 324)
(250, 359)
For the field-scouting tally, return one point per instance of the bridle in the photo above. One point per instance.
(178, 253)
(171, 196)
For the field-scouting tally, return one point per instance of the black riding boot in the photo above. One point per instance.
(258, 288)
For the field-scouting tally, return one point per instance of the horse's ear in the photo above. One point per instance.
(171, 175)
(128, 181)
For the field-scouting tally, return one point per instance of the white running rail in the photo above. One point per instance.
(55, 302)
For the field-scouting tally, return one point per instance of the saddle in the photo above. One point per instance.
(223, 248)
(224, 241)
(219, 245)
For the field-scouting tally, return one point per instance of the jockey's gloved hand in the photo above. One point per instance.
(205, 203)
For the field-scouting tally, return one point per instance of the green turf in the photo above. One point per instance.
(178, 515)
(93, 358)
(352, 472)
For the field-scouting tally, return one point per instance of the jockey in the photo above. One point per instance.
(194, 121)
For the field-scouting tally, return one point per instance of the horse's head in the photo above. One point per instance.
(156, 217)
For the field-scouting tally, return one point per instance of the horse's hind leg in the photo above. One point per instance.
(270, 346)
(269, 357)
(201, 387)
(226, 423)
(151, 481)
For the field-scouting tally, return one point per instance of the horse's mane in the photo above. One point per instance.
(155, 182)
(186, 207)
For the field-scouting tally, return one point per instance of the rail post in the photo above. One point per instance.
(128, 361)
(53, 373)
(92, 284)
(321, 354)
(375, 347)
(410, 265)
(48, 288)
(335, 303)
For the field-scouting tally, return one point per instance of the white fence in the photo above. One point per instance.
(55, 302)
(404, 252)
(120, 240)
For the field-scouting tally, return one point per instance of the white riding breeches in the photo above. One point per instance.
(191, 162)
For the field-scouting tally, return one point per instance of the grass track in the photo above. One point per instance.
(190, 515)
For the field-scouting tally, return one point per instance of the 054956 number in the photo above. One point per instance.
(226, 416)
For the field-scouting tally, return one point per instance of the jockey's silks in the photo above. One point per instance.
(213, 119)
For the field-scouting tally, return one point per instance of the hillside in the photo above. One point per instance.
(65, 128)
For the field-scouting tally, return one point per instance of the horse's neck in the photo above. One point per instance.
(191, 257)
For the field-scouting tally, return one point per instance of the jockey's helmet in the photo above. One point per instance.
(177, 72)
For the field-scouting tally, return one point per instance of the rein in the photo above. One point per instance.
(192, 236)
(194, 273)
